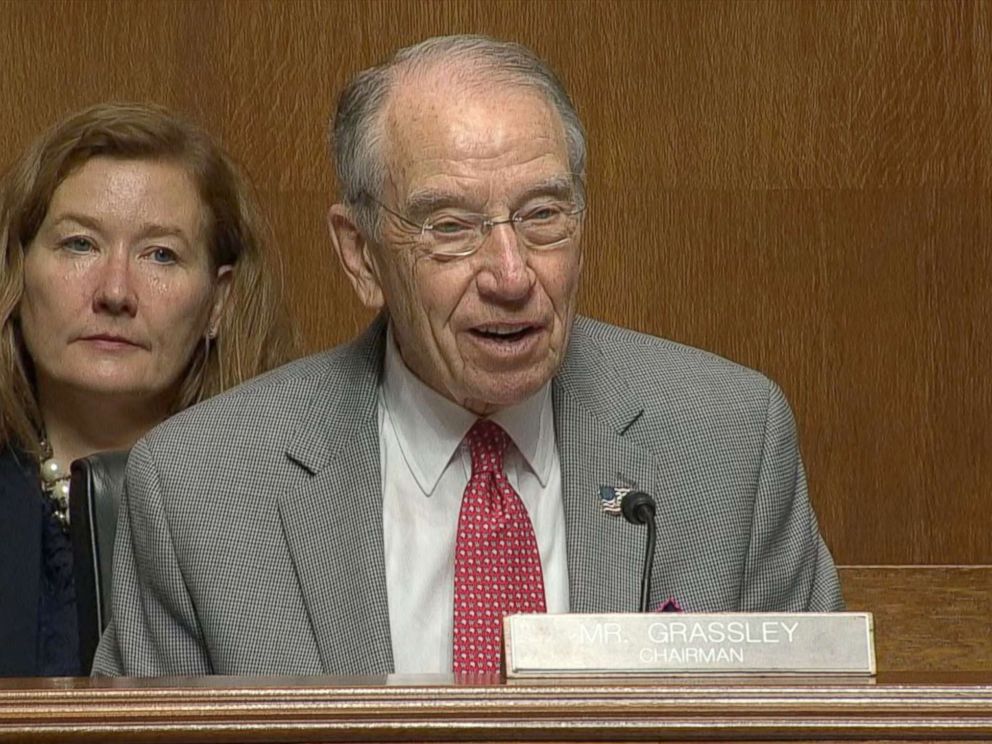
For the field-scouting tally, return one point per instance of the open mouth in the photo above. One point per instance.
(504, 334)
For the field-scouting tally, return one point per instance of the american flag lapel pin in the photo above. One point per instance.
(610, 498)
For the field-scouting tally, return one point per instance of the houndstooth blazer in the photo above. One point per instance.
(251, 537)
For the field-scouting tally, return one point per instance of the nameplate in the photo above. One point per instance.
(688, 644)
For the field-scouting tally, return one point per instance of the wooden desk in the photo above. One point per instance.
(896, 707)
(927, 618)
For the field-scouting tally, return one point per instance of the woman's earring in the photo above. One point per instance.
(208, 338)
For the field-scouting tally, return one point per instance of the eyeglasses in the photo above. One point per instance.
(457, 234)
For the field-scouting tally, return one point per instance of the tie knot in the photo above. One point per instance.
(487, 442)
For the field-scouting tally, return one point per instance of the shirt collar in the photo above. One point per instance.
(429, 427)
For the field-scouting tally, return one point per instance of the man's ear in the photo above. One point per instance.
(354, 254)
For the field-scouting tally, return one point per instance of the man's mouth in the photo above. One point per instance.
(504, 333)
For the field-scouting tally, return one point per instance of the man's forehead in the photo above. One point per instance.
(492, 128)
(455, 101)
(444, 78)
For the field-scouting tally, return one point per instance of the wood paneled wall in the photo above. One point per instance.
(801, 186)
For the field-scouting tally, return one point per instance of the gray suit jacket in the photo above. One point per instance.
(251, 538)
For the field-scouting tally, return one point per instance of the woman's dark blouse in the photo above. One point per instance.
(37, 595)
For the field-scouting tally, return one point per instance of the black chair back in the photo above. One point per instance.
(95, 491)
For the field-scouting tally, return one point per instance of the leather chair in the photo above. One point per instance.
(95, 488)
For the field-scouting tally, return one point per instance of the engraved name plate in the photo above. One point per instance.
(688, 643)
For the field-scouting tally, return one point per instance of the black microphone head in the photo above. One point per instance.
(637, 507)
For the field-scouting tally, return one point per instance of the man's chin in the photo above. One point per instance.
(485, 400)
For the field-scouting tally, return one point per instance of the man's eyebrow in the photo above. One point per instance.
(559, 187)
(421, 204)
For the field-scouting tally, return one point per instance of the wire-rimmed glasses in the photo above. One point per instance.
(455, 233)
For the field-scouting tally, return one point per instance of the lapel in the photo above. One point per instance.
(596, 427)
(20, 564)
(333, 522)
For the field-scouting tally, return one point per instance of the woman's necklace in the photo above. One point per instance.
(54, 484)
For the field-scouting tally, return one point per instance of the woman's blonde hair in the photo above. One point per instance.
(254, 332)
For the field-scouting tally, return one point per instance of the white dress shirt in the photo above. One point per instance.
(425, 468)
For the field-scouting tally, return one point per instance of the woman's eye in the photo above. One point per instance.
(78, 244)
(163, 255)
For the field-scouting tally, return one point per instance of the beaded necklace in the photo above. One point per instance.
(54, 484)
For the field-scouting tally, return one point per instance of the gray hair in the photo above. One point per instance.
(357, 130)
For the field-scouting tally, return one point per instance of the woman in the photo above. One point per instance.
(133, 284)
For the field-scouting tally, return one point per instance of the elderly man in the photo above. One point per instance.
(379, 507)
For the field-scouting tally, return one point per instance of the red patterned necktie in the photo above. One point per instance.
(497, 564)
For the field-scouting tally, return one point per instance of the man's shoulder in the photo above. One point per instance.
(281, 391)
(687, 406)
(275, 404)
(653, 364)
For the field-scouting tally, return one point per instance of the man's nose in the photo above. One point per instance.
(115, 289)
(505, 274)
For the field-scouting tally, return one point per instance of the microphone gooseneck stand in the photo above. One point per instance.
(638, 508)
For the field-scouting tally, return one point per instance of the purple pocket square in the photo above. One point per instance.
(669, 605)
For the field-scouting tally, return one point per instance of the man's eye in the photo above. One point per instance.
(450, 228)
(543, 213)
(78, 244)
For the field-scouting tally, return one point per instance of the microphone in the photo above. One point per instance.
(638, 508)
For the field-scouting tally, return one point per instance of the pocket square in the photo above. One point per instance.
(669, 605)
